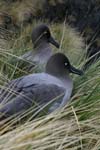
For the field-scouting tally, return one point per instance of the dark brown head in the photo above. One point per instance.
(59, 65)
(42, 34)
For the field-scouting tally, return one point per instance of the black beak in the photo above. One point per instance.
(76, 71)
(52, 41)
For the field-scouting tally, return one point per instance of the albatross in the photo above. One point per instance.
(20, 94)
(41, 39)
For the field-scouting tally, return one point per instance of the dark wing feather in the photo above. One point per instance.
(10, 90)
(28, 96)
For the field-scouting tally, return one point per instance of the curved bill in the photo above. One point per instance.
(76, 71)
(52, 41)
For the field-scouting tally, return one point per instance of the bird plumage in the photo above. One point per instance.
(40, 88)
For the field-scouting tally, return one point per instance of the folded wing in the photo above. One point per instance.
(18, 99)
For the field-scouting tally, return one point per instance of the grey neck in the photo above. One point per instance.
(67, 81)
(68, 84)
(42, 53)
(42, 47)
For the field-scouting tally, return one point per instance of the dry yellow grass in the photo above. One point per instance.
(75, 127)
(58, 131)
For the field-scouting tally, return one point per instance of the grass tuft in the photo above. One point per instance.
(74, 127)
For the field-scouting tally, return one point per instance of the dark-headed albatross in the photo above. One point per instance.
(41, 39)
(20, 94)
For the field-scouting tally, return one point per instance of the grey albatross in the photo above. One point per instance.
(20, 94)
(41, 39)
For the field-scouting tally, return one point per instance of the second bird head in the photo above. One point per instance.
(42, 33)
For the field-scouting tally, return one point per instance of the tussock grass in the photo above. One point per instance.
(20, 11)
(77, 126)
(71, 42)
(74, 127)
(22, 43)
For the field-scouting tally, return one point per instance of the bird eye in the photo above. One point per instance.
(45, 32)
(66, 63)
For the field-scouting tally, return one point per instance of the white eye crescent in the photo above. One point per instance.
(66, 63)
(45, 32)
